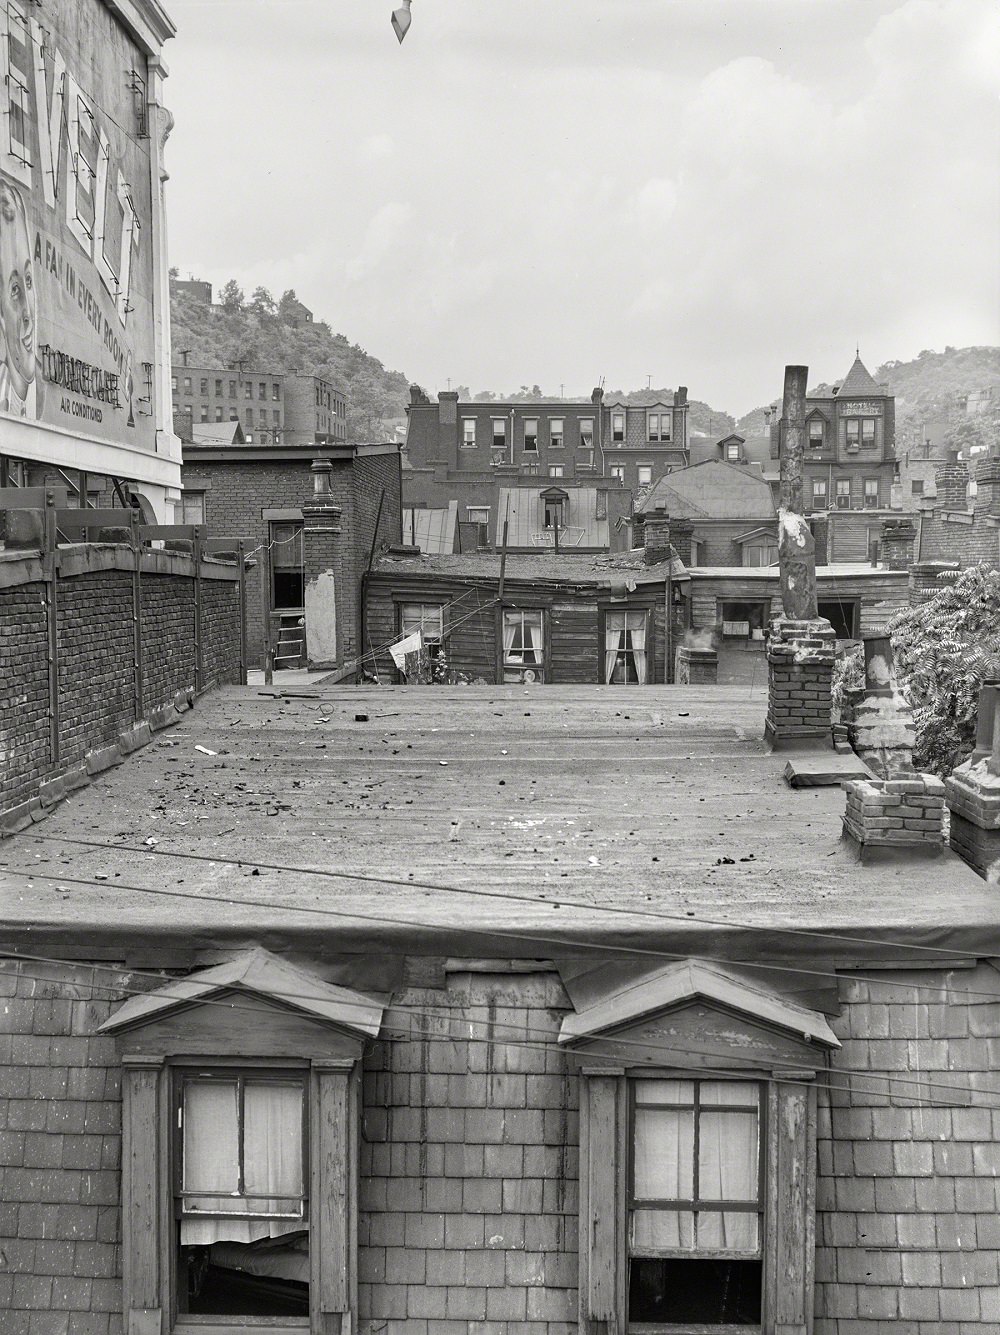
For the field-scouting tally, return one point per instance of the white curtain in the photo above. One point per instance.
(510, 627)
(533, 639)
(272, 1157)
(728, 1163)
(614, 633)
(637, 632)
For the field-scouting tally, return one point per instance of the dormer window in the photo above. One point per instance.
(733, 453)
(618, 428)
(240, 1161)
(659, 425)
(816, 433)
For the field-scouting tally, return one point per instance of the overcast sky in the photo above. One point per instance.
(555, 191)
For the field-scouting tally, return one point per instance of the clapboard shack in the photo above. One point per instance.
(545, 619)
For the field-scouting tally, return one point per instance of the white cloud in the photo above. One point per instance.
(387, 232)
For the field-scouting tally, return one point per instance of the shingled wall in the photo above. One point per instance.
(908, 1225)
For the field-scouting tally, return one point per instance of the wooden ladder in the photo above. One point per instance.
(291, 646)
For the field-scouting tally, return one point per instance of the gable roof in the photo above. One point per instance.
(686, 981)
(264, 975)
(713, 489)
(858, 383)
(217, 433)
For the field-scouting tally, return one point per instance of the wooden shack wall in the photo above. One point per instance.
(574, 624)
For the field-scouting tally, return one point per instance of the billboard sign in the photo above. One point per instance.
(76, 265)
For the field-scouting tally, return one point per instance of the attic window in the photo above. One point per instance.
(733, 453)
(695, 1202)
(240, 1195)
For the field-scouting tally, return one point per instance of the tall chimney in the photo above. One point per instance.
(656, 535)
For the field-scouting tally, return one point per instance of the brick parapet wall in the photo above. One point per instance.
(908, 1229)
(469, 1205)
(95, 652)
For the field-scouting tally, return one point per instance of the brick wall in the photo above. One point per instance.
(60, 1153)
(469, 1164)
(908, 1228)
(238, 492)
(95, 652)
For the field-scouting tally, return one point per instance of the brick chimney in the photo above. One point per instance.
(681, 397)
(448, 407)
(973, 796)
(656, 535)
(988, 485)
(952, 480)
(681, 533)
(897, 543)
(597, 396)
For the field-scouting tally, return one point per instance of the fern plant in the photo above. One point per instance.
(944, 650)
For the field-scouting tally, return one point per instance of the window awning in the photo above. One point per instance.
(259, 973)
(627, 1002)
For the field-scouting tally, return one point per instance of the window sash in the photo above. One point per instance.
(556, 431)
(257, 1120)
(618, 426)
(428, 618)
(468, 432)
(691, 1220)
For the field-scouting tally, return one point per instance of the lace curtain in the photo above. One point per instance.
(272, 1161)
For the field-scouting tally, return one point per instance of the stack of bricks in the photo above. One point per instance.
(896, 814)
(800, 658)
(974, 793)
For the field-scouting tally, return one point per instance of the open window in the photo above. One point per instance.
(523, 646)
(697, 1149)
(240, 1150)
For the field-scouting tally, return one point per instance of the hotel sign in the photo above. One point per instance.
(860, 408)
(76, 269)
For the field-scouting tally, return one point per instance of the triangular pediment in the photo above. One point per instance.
(264, 977)
(628, 1011)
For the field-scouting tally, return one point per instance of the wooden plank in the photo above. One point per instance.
(330, 1204)
(140, 1217)
(792, 1170)
(602, 1223)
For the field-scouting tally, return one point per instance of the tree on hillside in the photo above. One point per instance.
(287, 304)
(262, 303)
(232, 297)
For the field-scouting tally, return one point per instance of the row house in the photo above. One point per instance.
(850, 457)
(273, 407)
(481, 447)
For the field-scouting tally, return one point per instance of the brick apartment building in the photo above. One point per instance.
(272, 406)
(89, 404)
(473, 449)
(494, 1010)
(260, 493)
(850, 461)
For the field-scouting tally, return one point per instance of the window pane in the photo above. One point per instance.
(728, 1231)
(211, 1137)
(727, 1157)
(272, 1139)
(729, 1093)
(664, 1091)
(662, 1230)
(664, 1154)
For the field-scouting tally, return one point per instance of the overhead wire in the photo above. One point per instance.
(731, 1070)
